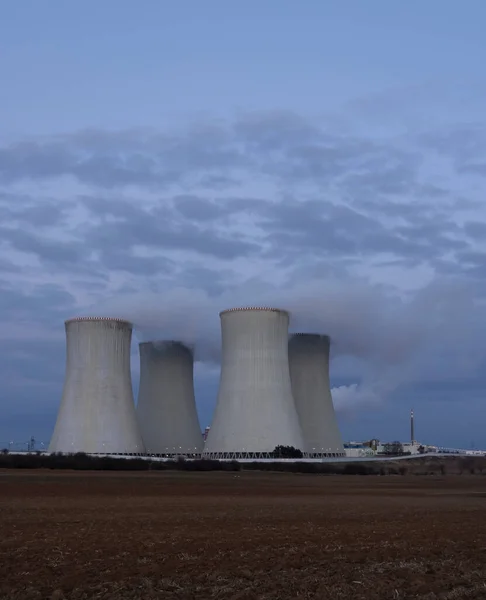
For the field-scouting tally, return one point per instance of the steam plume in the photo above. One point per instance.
(396, 337)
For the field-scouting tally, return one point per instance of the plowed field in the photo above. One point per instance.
(244, 536)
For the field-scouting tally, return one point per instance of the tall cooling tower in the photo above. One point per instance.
(309, 373)
(97, 412)
(166, 407)
(255, 409)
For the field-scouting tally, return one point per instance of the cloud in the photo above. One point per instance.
(22, 306)
(353, 314)
(348, 399)
(373, 237)
(132, 226)
(350, 196)
(40, 246)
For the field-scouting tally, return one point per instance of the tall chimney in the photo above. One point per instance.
(412, 429)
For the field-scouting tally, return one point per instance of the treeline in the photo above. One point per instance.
(90, 462)
(85, 462)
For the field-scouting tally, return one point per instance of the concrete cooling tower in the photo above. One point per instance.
(97, 412)
(309, 374)
(255, 409)
(166, 407)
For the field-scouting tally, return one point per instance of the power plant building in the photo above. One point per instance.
(309, 374)
(166, 408)
(97, 411)
(255, 410)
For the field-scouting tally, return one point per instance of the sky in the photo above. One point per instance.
(162, 161)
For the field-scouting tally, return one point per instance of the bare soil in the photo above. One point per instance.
(241, 536)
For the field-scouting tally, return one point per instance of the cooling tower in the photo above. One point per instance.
(166, 407)
(309, 374)
(97, 412)
(255, 409)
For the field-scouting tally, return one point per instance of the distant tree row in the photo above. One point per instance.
(85, 462)
(89, 462)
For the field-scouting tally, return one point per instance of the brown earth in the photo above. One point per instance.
(242, 536)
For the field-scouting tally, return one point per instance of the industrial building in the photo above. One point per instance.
(97, 411)
(166, 408)
(309, 375)
(255, 410)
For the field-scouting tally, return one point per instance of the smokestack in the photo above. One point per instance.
(255, 410)
(412, 427)
(166, 408)
(309, 374)
(97, 412)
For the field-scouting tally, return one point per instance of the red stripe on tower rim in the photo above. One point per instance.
(254, 309)
(98, 319)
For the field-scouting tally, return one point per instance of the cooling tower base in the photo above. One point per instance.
(324, 454)
(170, 455)
(258, 455)
(173, 455)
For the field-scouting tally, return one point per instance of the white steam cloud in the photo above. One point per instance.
(348, 398)
(397, 338)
